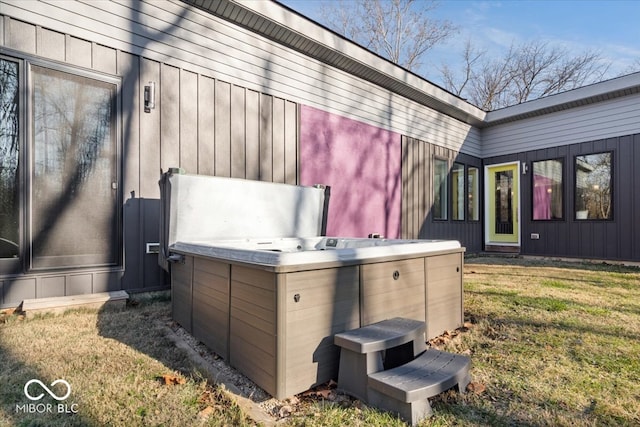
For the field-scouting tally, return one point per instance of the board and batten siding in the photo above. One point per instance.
(616, 239)
(417, 196)
(178, 34)
(201, 123)
(611, 118)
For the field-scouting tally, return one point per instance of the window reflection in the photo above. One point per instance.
(547, 190)
(504, 202)
(9, 161)
(440, 189)
(74, 171)
(473, 209)
(457, 190)
(593, 186)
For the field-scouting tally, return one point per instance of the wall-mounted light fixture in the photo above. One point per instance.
(149, 97)
(525, 168)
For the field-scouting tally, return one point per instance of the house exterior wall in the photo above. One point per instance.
(606, 119)
(175, 33)
(201, 123)
(615, 239)
(362, 165)
(418, 196)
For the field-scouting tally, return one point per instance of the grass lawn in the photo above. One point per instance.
(551, 344)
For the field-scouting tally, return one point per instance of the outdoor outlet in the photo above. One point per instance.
(153, 248)
(535, 236)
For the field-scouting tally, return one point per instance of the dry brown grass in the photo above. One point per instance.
(114, 362)
(554, 344)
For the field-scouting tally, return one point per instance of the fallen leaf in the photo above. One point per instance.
(284, 411)
(169, 379)
(477, 388)
(206, 412)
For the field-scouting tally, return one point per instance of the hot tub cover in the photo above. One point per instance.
(207, 208)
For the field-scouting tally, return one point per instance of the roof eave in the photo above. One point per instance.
(591, 94)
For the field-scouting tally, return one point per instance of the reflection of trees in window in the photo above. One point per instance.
(440, 190)
(593, 186)
(457, 192)
(74, 169)
(547, 190)
(9, 160)
(473, 196)
(504, 202)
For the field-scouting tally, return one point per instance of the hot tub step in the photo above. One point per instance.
(376, 347)
(405, 390)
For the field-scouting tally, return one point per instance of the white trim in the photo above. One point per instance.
(486, 204)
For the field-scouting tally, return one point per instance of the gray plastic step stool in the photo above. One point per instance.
(365, 350)
(405, 390)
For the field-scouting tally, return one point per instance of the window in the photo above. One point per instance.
(547, 190)
(473, 198)
(593, 186)
(68, 189)
(9, 161)
(457, 192)
(504, 201)
(440, 189)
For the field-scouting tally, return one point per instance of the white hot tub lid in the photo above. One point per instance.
(207, 208)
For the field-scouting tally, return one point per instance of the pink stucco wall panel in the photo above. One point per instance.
(361, 163)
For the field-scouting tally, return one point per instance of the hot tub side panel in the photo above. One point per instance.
(252, 325)
(182, 293)
(393, 289)
(211, 282)
(313, 306)
(444, 293)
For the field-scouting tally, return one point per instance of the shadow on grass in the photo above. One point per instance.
(140, 326)
(16, 409)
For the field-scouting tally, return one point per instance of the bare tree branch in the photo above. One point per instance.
(527, 71)
(471, 56)
(398, 30)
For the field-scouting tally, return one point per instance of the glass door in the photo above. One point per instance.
(503, 213)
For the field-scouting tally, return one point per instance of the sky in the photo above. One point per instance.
(610, 27)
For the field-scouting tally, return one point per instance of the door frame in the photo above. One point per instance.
(487, 205)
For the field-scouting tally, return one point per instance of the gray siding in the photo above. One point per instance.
(417, 196)
(183, 36)
(190, 127)
(612, 118)
(617, 239)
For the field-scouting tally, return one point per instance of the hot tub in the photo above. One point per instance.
(281, 253)
(255, 279)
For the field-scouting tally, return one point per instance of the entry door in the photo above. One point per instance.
(503, 204)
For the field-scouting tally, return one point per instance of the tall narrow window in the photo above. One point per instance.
(74, 179)
(504, 202)
(593, 186)
(440, 189)
(473, 198)
(9, 161)
(547, 190)
(457, 192)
